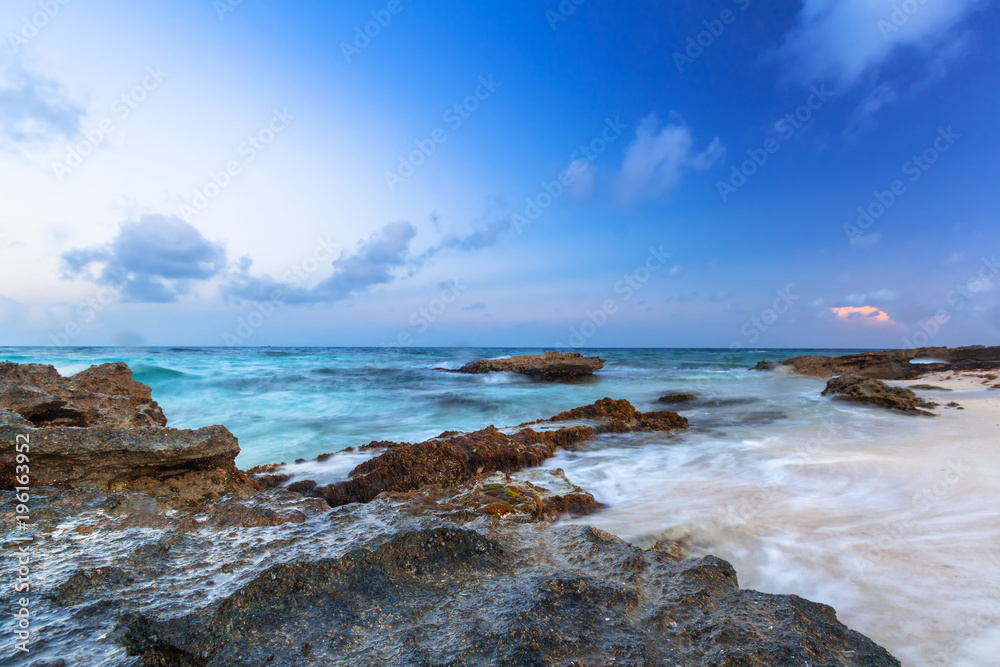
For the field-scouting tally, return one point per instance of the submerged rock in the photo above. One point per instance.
(892, 364)
(678, 398)
(516, 596)
(875, 392)
(548, 367)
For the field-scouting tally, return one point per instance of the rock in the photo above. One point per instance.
(892, 364)
(875, 392)
(104, 395)
(621, 417)
(548, 367)
(446, 462)
(459, 567)
(927, 387)
(405, 467)
(547, 497)
(101, 429)
(678, 398)
(485, 596)
(78, 586)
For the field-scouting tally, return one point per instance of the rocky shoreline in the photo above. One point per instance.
(160, 551)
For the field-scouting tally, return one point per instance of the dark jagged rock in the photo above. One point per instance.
(102, 429)
(548, 367)
(678, 398)
(927, 387)
(892, 364)
(404, 466)
(455, 459)
(621, 417)
(875, 392)
(569, 596)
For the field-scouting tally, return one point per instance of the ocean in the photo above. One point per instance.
(889, 518)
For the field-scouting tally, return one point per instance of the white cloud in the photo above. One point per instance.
(655, 159)
(845, 39)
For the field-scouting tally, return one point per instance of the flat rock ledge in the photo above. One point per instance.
(549, 367)
(101, 429)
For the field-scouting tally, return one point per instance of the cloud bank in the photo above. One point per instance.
(154, 260)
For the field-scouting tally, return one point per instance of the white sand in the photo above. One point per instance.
(976, 391)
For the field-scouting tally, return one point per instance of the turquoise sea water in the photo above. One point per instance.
(289, 403)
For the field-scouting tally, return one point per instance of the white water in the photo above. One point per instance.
(893, 520)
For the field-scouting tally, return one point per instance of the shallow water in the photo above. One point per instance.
(891, 519)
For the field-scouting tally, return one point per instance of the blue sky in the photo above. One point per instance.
(727, 173)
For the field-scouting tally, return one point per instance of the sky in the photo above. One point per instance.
(724, 173)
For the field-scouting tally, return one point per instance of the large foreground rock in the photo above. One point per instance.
(502, 596)
(892, 364)
(548, 367)
(875, 392)
(102, 429)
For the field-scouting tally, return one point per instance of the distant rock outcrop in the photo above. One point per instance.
(548, 367)
(892, 364)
